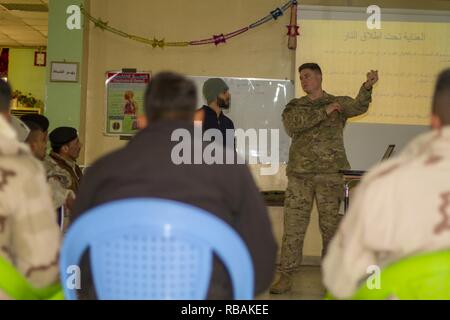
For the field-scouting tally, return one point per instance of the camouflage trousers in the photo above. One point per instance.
(328, 190)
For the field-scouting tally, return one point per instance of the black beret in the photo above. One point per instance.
(62, 135)
(40, 120)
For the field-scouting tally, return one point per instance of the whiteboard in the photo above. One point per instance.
(256, 104)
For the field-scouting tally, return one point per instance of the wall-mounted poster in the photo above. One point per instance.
(124, 101)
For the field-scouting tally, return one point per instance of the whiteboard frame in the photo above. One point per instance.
(311, 12)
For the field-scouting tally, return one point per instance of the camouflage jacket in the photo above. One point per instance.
(63, 176)
(317, 138)
(29, 233)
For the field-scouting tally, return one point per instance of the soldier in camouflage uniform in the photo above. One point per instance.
(63, 173)
(37, 141)
(29, 233)
(315, 123)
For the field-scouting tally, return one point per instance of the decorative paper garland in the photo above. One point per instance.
(215, 39)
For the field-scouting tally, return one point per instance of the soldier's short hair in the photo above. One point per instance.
(40, 120)
(310, 65)
(5, 96)
(441, 99)
(33, 126)
(34, 129)
(170, 95)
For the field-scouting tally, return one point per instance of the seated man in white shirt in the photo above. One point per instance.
(29, 235)
(401, 208)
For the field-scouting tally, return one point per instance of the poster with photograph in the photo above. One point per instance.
(124, 101)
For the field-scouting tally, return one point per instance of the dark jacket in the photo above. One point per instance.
(221, 122)
(144, 169)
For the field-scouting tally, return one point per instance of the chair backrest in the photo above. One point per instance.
(421, 277)
(154, 249)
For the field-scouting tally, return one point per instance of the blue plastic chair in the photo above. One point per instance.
(151, 249)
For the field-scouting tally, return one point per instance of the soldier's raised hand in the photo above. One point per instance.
(372, 78)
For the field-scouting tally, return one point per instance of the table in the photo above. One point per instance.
(349, 177)
(275, 198)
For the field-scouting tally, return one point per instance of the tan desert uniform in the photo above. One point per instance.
(29, 233)
(401, 208)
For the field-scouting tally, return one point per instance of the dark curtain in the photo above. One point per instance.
(4, 62)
